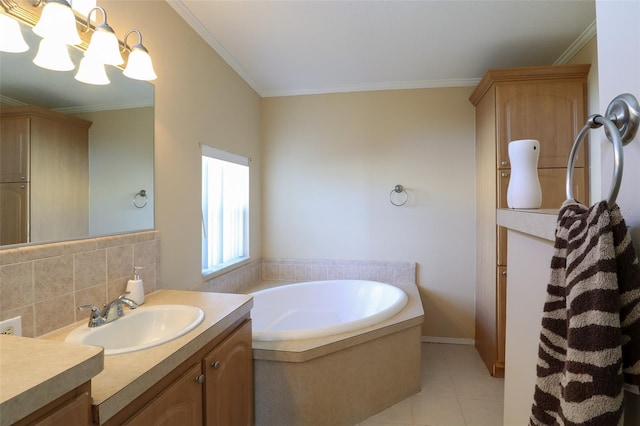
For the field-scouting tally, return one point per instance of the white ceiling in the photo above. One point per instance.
(304, 46)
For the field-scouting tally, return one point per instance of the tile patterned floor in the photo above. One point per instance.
(456, 390)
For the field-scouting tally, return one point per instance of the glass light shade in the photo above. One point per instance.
(53, 55)
(92, 71)
(11, 39)
(58, 22)
(139, 66)
(83, 6)
(104, 46)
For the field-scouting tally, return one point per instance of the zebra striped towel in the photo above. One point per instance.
(590, 339)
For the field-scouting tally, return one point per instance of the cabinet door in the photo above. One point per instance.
(14, 213)
(552, 183)
(75, 413)
(229, 381)
(179, 404)
(551, 111)
(14, 149)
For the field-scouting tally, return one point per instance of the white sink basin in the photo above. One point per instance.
(140, 328)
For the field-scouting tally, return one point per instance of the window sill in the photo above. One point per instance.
(225, 268)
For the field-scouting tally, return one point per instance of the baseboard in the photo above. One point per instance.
(449, 340)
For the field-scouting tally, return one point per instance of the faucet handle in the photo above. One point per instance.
(123, 295)
(95, 311)
(95, 319)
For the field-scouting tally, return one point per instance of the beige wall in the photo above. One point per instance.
(329, 164)
(120, 165)
(198, 99)
(589, 55)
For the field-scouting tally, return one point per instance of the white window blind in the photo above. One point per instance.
(225, 208)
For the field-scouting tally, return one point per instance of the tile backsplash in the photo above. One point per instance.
(247, 276)
(317, 270)
(45, 284)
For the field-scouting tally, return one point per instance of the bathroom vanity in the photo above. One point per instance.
(204, 376)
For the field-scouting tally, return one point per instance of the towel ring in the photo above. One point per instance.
(140, 199)
(593, 122)
(398, 189)
(620, 125)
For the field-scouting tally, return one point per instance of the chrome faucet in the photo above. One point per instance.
(112, 310)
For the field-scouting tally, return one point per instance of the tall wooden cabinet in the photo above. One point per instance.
(44, 175)
(543, 103)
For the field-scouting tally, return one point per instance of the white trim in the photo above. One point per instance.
(401, 85)
(578, 44)
(202, 31)
(212, 152)
(449, 340)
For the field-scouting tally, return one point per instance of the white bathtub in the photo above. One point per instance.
(322, 308)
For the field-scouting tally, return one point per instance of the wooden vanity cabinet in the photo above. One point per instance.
(213, 387)
(179, 404)
(543, 103)
(228, 382)
(71, 409)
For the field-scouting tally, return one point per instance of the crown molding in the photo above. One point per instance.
(197, 26)
(578, 44)
(401, 85)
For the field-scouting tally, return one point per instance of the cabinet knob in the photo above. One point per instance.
(504, 272)
(215, 364)
(22, 178)
(504, 174)
(504, 163)
(200, 379)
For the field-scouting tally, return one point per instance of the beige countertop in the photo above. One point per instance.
(539, 223)
(127, 376)
(34, 372)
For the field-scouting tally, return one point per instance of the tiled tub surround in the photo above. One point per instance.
(340, 379)
(249, 274)
(319, 270)
(45, 283)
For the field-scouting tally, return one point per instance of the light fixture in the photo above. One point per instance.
(53, 55)
(104, 46)
(91, 71)
(57, 22)
(139, 65)
(57, 25)
(11, 39)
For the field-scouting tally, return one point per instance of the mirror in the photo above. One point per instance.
(120, 146)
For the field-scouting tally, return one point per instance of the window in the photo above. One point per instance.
(225, 209)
